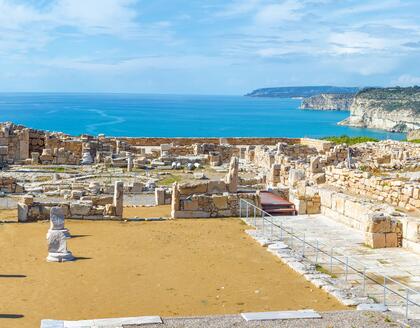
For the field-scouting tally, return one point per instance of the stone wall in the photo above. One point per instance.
(192, 141)
(405, 194)
(213, 206)
(87, 208)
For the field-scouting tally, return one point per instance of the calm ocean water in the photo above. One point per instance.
(174, 116)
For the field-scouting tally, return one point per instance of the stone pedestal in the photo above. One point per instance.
(57, 247)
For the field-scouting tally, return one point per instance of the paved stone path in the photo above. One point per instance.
(399, 264)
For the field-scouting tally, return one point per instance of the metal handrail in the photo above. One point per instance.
(337, 259)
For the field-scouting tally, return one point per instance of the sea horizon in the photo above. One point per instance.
(174, 115)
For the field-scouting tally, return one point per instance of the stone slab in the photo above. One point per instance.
(281, 315)
(372, 307)
(101, 323)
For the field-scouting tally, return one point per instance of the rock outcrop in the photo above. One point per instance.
(392, 109)
(329, 101)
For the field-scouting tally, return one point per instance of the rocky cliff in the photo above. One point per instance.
(329, 101)
(392, 109)
(299, 92)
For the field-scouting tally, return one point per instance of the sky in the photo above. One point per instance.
(206, 47)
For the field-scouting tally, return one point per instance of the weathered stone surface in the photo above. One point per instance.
(57, 247)
(119, 198)
(80, 208)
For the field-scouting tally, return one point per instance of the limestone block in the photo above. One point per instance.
(187, 189)
(391, 239)
(80, 208)
(378, 223)
(338, 202)
(356, 210)
(375, 240)
(191, 204)
(220, 202)
(411, 230)
(326, 197)
(215, 187)
(160, 196)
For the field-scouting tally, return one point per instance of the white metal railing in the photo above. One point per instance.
(260, 219)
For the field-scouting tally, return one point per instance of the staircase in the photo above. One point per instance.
(275, 205)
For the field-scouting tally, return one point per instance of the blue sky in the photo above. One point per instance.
(206, 47)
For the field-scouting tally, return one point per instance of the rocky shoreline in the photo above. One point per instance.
(391, 109)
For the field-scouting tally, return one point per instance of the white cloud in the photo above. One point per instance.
(24, 27)
(95, 16)
(275, 14)
(406, 80)
(356, 43)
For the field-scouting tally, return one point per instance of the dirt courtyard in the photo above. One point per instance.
(169, 268)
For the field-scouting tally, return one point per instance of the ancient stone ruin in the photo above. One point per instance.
(57, 238)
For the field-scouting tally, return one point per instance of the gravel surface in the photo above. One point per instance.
(344, 319)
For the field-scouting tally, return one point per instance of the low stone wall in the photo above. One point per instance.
(405, 194)
(87, 208)
(319, 145)
(95, 209)
(214, 206)
(192, 141)
(382, 226)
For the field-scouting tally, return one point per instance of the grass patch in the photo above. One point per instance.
(414, 141)
(321, 269)
(170, 179)
(349, 140)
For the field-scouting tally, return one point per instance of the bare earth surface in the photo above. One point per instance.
(147, 212)
(169, 268)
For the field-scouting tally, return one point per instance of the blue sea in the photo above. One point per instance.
(136, 115)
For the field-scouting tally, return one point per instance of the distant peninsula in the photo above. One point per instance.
(300, 92)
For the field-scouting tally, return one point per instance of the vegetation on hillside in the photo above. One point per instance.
(394, 98)
(349, 140)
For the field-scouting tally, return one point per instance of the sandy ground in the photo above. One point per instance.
(8, 215)
(169, 268)
(147, 212)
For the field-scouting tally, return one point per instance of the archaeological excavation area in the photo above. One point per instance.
(101, 227)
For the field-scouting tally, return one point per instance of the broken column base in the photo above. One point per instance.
(60, 257)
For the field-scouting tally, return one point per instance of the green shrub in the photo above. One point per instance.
(349, 140)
